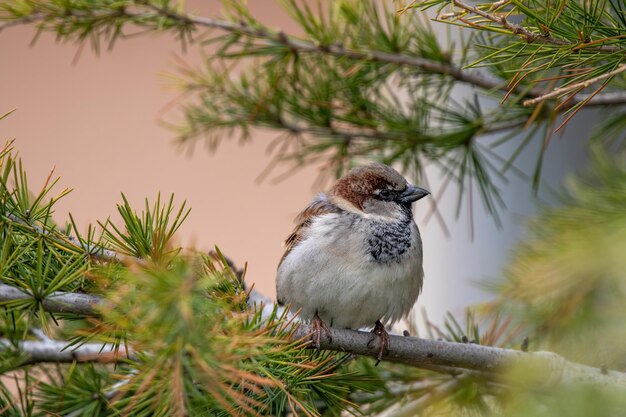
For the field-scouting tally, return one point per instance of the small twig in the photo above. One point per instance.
(581, 85)
(528, 35)
(498, 4)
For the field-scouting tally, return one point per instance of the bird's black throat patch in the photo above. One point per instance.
(388, 241)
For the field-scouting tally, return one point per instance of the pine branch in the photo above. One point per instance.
(21, 21)
(420, 353)
(109, 395)
(576, 86)
(372, 134)
(92, 250)
(526, 34)
(87, 304)
(338, 50)
(458, 73)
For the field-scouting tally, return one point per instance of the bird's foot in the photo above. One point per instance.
(317, 328)
(380, 332)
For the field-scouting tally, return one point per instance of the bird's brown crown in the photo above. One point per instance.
(361, 183)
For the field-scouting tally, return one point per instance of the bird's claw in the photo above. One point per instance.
(380, 332)
(317, 328)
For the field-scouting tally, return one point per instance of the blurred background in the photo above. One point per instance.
(98, 120)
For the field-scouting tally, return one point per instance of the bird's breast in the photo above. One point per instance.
(352, 270)
(389, 242)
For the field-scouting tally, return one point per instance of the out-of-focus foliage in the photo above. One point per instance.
(567, 281)
(576, 401)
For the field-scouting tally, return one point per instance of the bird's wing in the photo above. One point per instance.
(320, 205)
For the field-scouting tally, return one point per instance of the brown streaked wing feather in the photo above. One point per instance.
(321, 205)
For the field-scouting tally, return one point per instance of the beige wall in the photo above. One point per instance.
(97, 122)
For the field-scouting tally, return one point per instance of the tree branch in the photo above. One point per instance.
(422, 353)
(57, 302)
(46, 350)
(279, 37)
(372, 134)
(458, 73)
(432, 354)
(526, 34)
(336, 50)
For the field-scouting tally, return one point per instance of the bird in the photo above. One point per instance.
(354, 259)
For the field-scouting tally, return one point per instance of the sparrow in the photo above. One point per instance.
(354, 258)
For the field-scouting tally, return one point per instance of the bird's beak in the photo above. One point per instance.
(412, 194)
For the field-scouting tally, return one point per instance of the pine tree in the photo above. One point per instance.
(121, 321)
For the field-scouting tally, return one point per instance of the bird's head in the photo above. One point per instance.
(377, 190)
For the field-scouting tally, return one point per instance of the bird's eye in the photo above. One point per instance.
(385, 194)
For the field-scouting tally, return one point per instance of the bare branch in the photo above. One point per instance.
(55, 351)
(57, 302)
(431, 354)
